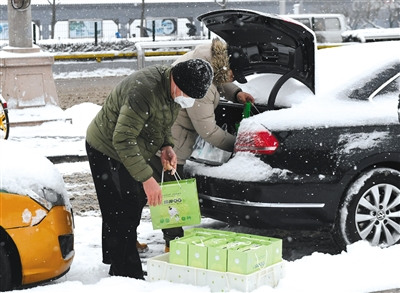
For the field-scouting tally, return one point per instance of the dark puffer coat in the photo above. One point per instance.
(135, 120)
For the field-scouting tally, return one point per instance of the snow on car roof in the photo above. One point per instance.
(338, 71)
(23, 170)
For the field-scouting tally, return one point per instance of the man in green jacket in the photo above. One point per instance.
(132, 125)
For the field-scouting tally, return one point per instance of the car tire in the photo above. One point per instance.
(4, 122)
(370, 210)
(5, 270)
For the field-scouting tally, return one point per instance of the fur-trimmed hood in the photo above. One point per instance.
(220, 62)
(217, 55)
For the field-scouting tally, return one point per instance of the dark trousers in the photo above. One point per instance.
(155, 163)
(121, 200)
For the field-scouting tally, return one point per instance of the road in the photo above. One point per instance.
(73, 91)
(92, 65)
(81, 90)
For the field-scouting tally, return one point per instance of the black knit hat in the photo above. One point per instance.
(193, 77)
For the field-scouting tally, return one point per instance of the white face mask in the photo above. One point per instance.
(184, 102)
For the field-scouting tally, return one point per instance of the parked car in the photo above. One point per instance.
(327, 27)
(322, 149)
(36, 222)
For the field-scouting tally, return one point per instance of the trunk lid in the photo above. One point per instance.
(265, 43)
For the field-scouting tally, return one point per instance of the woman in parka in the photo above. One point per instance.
(132, 125)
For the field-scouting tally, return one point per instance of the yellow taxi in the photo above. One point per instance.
(36, 219)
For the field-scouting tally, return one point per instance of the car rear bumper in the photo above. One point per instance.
(269, 205)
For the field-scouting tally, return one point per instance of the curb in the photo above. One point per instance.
(67, 159)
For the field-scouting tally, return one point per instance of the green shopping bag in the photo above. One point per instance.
(180, 205)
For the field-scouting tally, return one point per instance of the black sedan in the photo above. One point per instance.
(322, 147)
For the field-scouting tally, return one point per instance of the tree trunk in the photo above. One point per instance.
(142, 29)
(53, 17)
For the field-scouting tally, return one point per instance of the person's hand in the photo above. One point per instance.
(169, 160)
(244, 97)
(153, 192)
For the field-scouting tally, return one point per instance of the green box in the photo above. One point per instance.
(198, 252)
(217, 259)
(225, 251)
(274, 246)
(197, 255)
(179, 249)
(247, 259)
(218, 254)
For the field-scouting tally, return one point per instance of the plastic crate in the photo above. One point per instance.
(159, 268)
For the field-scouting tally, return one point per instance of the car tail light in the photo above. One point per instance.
(260, 142)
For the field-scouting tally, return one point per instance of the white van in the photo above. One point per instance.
(328, 28)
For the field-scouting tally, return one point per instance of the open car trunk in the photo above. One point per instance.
(228, 116)
(260, 43)
(265, 43)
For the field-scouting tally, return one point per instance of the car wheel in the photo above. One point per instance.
(371, 210)
(4, 122)
(5, 270)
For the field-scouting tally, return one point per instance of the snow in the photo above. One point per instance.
(363, 35)
(242, 161)
(329, 106)
(361, 269)
(17, 178)
(362, 141)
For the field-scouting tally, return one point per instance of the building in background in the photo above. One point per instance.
(123, 19)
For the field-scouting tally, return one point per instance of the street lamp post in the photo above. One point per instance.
(19, 23)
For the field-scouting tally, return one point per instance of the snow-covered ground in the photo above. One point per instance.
(361, 269)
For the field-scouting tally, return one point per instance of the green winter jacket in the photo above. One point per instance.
(135, 120)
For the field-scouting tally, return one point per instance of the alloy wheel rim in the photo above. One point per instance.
(377, 216)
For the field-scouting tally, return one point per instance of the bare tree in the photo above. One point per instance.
(365, 12)
(143, 32)
(54, 5)
(394, 13)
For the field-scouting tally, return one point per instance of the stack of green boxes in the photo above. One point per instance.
(225, 251)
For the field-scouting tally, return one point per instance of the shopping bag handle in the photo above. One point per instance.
(176, 175)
